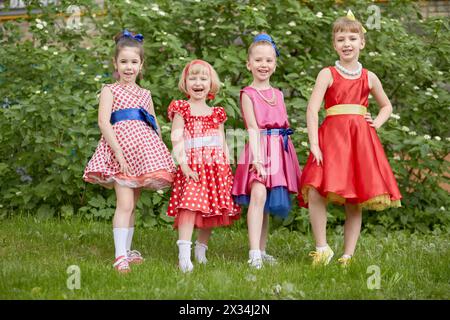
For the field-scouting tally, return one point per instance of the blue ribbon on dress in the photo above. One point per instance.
(285, 132)
(134, 114)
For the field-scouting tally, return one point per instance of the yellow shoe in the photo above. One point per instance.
(322, 257)
(345, 261)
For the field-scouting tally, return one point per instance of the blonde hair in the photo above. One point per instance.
(344, 24)
(199, 67)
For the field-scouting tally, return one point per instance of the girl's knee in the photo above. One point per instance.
(258, 196)
(314, 196)
(125, 208)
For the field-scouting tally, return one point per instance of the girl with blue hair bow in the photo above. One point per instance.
(268, 172)
(130, 154)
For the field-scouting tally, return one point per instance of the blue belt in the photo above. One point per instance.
(134, 114)
(285, 132)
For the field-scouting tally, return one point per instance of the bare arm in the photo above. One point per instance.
(323, 80)
(383, 102)
(253, 132)
(104, 117)
(224, 142)
(178, 146)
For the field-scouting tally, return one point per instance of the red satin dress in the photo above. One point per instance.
(355, 168)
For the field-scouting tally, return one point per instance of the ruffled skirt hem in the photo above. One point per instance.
(154, 181)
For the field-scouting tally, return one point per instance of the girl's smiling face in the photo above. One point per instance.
(128, 64)
(262, 62)
(198, 84)
(348, 45)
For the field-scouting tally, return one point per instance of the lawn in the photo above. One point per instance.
(36, 256)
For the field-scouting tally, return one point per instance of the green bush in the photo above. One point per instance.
(50, 80)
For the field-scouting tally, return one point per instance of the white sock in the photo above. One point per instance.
(200, 252)
(120, 241)
(130, 238)
(254, 254)
(184, 255)
(321, 249)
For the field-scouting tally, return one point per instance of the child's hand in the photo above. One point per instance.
(124, 168)
(371, 122)
(189, 173)
(317, 154)
(258, 167)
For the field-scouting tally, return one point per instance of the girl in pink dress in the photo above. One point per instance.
(201, 193)
(268, 171)
(130, 154)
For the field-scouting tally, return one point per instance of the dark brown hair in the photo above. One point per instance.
(123, 41)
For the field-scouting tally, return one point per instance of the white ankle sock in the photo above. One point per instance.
(254, 254)
(200, 252)
(321, 249)
(120, 241)
(184, 255)
(130, 238)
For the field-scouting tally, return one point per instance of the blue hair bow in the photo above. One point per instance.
(266, 37)
(127, 34)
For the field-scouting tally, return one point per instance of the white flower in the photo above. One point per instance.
(161, 13)
(106, 25)
(440, 73)
(82, 73)
(319, 14)
(145, 8)
(255, 33)
(255, 9)
(406, 129)
(201, 28)
(39, 26)
(305, 144)
(397, 157)
(434, 85)
(45, 92)
(88, 48)
(128, 1)
(213, 34)
(288, 32)
(302, 73)
(164, 43)
(181, 58)
(393, 54)
(428, 93)
(372, 54)
(155, 7)
(430, 89)
(105, 66)
(45, 31)
(160, 191)
(395, 116)
(198, 1)
(415, 109)
(37, 92)
(45, 48)
(416, 88)
(291, 24)
(294, 120)
(437, 138)
(55, 53)
(412, 133)
(38, 20)
(442, 208)
(435, 96)
(427, 137)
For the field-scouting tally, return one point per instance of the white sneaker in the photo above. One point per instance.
(267, 258)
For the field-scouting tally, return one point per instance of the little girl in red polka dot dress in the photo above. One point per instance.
(131, 154)
(201, 194)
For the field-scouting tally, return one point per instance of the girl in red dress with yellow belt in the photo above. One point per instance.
(347, 164)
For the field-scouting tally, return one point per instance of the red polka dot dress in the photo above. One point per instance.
(146, 154)
(209, 198)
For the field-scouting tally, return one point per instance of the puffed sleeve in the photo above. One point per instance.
(221, 115)
(176, 106)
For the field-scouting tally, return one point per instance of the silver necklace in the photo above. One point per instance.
(346, 71)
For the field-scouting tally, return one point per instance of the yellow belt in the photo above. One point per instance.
(346, 109)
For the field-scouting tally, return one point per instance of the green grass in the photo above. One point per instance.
(35, 256)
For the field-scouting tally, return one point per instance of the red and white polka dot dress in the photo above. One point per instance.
(210, 197)
(146, 154)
